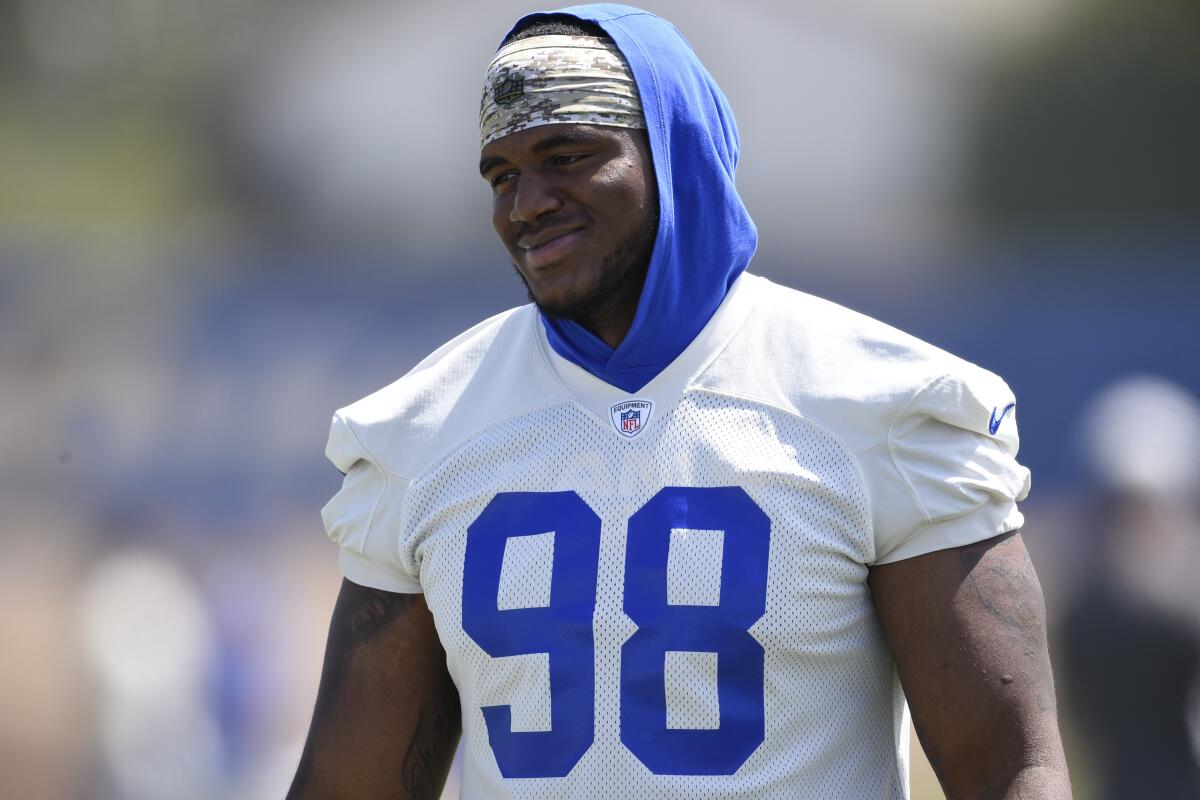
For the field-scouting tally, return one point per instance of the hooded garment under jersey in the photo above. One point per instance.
(705, 235)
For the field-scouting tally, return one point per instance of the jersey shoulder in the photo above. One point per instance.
(843, 369)
(488, 373)
(933, 437)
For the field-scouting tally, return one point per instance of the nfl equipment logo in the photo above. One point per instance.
(630, 417)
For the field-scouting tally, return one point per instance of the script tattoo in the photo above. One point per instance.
(436, 733)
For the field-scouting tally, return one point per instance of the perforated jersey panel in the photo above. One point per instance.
(831, 707)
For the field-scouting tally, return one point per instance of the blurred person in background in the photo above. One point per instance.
(149, 639)
(664, 530)
(1130, 642)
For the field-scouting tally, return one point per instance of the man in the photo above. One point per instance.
(671, 531)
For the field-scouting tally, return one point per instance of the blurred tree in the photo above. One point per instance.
(1096, 130)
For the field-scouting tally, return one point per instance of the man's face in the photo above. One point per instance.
(576, 206)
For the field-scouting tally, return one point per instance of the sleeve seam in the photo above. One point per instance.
(371, 457)
(387, 477)
(912, 492)
(947, 520)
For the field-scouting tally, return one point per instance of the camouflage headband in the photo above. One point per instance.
(547, 79)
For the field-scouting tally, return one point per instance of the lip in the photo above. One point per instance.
(552, 249)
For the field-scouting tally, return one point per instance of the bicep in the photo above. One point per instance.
(967, 629)
(387, 716)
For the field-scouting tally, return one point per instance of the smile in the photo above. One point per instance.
(552, 250)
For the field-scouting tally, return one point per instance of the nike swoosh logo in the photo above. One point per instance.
(994, 423)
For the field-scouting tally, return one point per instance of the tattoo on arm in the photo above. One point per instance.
(437, 730)
(383, 639)
(359, 615)
(1007, 588)
(369, 610)
(967, 628)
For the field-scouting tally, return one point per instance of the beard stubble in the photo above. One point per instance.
(622, 271)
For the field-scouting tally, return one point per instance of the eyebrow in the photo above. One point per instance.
(565, 138)
(558, 140)
(485, 164)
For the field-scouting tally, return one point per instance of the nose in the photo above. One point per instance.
(534, 197)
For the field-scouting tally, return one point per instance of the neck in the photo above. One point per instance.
(611, 329)
(614, 317)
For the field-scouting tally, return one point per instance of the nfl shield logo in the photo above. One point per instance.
(630, 417)
(508, 90)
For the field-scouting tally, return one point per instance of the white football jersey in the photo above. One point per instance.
(664, 594)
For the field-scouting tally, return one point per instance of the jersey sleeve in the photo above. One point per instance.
(363, 518)
(947, 474)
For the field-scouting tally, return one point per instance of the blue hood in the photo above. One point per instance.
(705, 235)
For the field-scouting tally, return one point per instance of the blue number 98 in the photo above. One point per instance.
(563, 629)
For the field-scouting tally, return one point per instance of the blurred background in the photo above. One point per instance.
(220, 221)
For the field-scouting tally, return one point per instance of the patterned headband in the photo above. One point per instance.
(547, 79)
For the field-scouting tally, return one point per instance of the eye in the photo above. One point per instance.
(565, 159)
(502, 177)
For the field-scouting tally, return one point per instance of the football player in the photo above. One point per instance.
(671, 530)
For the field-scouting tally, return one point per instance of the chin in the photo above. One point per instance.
(577, 291)
(566, 306)
(574, 301)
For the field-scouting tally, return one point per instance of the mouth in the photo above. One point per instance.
(552, 249)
